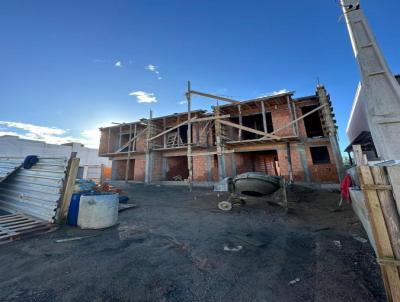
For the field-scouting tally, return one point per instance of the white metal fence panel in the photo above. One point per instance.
(36, 191)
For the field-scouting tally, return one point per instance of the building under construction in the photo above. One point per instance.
(278, 135)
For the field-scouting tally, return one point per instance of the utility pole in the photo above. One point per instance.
(381, 90)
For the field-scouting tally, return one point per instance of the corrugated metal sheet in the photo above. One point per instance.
(36, 191)
(8, 166)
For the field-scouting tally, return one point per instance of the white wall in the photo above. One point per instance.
(13, 146)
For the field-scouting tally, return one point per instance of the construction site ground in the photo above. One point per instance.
(178, 246)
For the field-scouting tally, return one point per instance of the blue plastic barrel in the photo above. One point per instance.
(72, 217)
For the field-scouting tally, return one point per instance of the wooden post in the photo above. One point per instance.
(128, 161)
(264, 116)
(149, 159)
(220, 151)
(358, 155)
(178, 131)
(295, 118)
(108, 140)
(291, 113)
(289, 158)
(69, 182)
(134, 135)
(120, 136)
(240, 122)
(164, 136)
(189, 138)
(385, 251)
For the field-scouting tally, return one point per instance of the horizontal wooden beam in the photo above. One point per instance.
(171, 129)
(211, 118)
(211, 96)
(244, 128)
(131, 140)
(299, 118)
(211, 153)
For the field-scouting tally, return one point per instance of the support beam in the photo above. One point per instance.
(211, 96)
(289, 158)
(298, 119)
(189, 138)
(164, 136)
(220, 148)
(169, 130)
(211, 118)
(128, 161)
(240, 122)
(108, 140)
(270, 135)
(264, 116)
(131, 140)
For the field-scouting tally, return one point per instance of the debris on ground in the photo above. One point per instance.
(123, 199)
(73, 238)
(249, 240)
(337, 243)
(233, 249)
(125, 206)
(294, 281)
(359, 238)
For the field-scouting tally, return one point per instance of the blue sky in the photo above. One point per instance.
(72, 65)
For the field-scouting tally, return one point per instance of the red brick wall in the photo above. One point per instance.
(157, 172)
(200, 168)
(177, 166)
(322, 172)
(139, 169)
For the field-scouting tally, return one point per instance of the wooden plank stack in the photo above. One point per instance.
(380, 186)
(16, 226)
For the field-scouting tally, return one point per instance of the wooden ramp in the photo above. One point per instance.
(16, 226)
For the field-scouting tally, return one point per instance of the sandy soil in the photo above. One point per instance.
(171, 248)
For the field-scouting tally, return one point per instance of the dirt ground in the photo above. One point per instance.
(178, 246)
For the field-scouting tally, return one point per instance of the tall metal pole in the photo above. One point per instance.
(381, 90)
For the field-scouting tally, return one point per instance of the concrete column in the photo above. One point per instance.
(303, 160)
(221, 167)
(148, 171)
(234, 169)
(209, 167)
(164, 168)
(114, 165)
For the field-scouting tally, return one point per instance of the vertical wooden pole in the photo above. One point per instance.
(220, 155)
(128, 161)
(295, 118)
(240, 122)
(69, 182)
(289, 158)
(264, 116)
(108, 140)
(165, 135)
(291, 113)
(189, 138)
(149, 158)
(120, 137)
(134, 135)
(178, 131)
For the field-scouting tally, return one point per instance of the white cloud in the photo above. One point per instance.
(118, 64)
(282, 91)
(144, 97)
(52, 135)
(153, 68)
(183, 102)
(91, 138)
(277, 92)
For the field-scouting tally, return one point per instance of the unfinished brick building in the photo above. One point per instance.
(279, 135)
